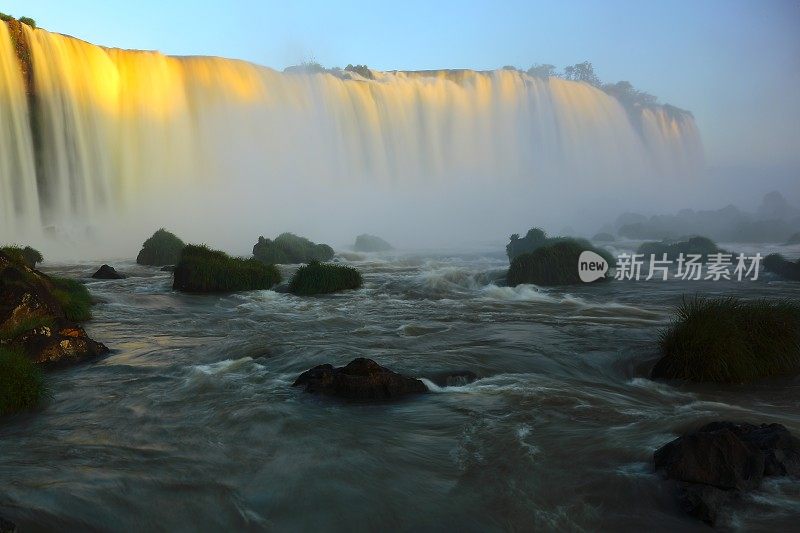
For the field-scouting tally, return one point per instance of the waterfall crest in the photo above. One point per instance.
(117, 127)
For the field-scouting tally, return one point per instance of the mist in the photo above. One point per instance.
(223, 151)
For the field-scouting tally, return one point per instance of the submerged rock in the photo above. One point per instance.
(168, 268)
(362, 379)
(717, 463)
(107, 272)
(453, 378)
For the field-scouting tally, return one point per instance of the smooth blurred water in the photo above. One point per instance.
(191, 423)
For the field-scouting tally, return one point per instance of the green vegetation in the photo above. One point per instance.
(371, 243)
(22, 385)
(74, 298)
(536, 238)
(8, 332)
(5, 18)
(726, 340)
(694, 245)
(200, 269)
(361, 70)
(554, 263)
(288, 248)
(24, 256)
(162, 249)
(29, 21)
(324, 278)
(532, 240)
(782, 267)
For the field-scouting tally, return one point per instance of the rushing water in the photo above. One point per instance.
(191, 423)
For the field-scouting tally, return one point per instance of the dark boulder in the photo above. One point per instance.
(168, 268)
(721, 460)
(7, 526)
(107, 272)
(362, 379)
(453, 378)
(59, 344)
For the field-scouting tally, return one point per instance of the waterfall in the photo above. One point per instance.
(19, 204)
(120, 129)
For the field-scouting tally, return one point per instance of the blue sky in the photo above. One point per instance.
(735, 64)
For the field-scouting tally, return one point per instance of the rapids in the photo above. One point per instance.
(192, 424)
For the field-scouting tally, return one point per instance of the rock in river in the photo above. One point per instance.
(717, 463)
(362, 379)
(107, 272)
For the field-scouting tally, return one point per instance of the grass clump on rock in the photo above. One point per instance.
(782, 267)
(691, 246)
(74, 298)
(161, 249)
(727, 340)
(201, 270)
(324, 278)
(288, 248)
(22, 384)
(552, 264)
(24, 255)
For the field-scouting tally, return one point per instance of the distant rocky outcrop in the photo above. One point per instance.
(107, 272)
(553, 262)
(288, 248)
(361, 379)
(701, 246)
(371, 243)
(162, 248)
(782, 267)
(775, 221)
(719, 462)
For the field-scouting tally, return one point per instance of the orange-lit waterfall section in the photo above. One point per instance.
(105, 128)
(19, 203)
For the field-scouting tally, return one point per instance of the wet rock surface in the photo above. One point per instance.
(32, 318)
(107, 272)
(717, 463)
(361, 379)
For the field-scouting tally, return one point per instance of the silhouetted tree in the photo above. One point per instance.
(582, 72)
(628, 95)
(541, 70)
